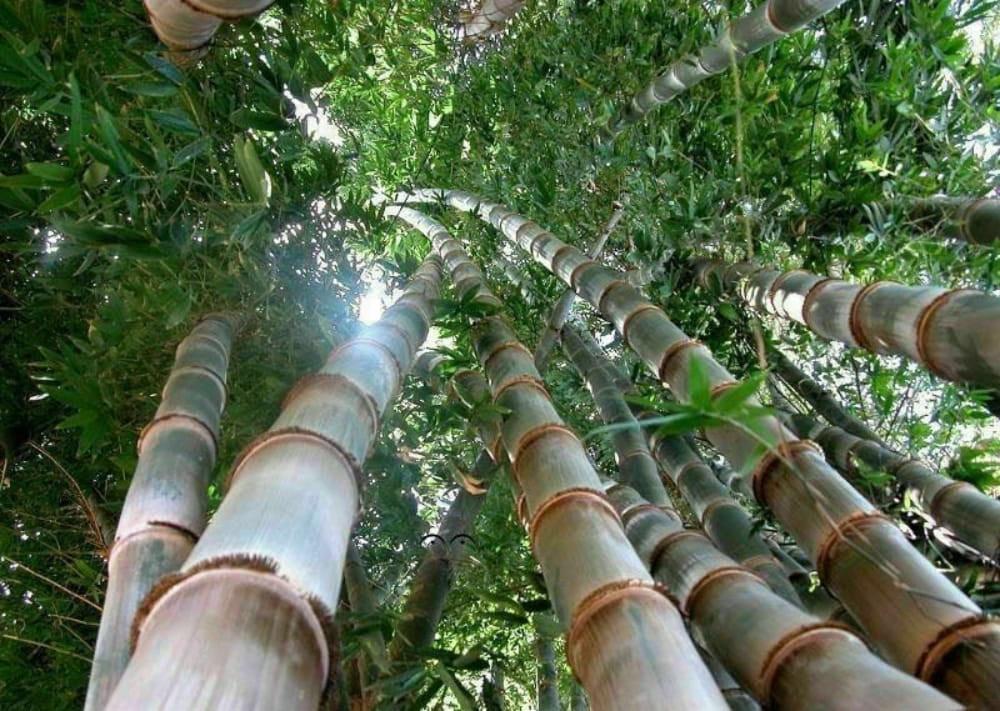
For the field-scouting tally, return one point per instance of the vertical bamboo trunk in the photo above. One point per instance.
(636, 466)
(362, 601)
(765, 24)
(546, 676)
(784, 657)
(424, 606)
(724, 521)
(976, 221)
(912, 614)
(969, 514)
(625, 641)
(952, 333)
(246, 622)
(164, 510)
(564, 305)
(187, 26)
(818, 397)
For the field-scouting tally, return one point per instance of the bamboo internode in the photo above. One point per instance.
(765, 24)
(164, 510)
(914, 615)
(625, 641)
(246, 622)
(783, 656)
(952, 333)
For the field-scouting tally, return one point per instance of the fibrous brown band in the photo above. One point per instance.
(855, 523)
(672, 352)
(854, 318)
(774, 457)
(566, 496)
(924, 321)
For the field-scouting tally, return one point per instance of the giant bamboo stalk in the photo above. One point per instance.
(187, 26)
(765, 24)
(636, 466)
(246, 622)
(783, 656)
(625, 641)
(969, 514)
(952, 333)
(916, 617)
(164, 510)
(972, 220)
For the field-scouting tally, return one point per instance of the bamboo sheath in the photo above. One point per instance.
(913, 615)
(951, 333)
(164, 510)
(972, 516)
(626, 642)
(246, 622)
(784, 657)
(972, 220)
(636, 466)
(765, 24)
(189, 25)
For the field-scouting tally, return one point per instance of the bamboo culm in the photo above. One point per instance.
(765, 24)
(165, 508)
(952, 333)
(625, 641)
(187, 26)
(488, 18)
(784, 657)
(913, 615)
(546, 674)
(970, 515)
(972, 220)
(246, 623)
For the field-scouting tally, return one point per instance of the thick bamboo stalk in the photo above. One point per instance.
(636, 466)
(564, 305)
(723, 519)
(625, 641)
(488, 18)
(972, 516)
(765, 24)
(949, 332)
(432, 581)
(911, 613)
(189, 25)
(246, 622)
(780, 654)
(164, 510)
(972, 220)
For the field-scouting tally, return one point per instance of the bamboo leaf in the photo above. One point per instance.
(254, 177)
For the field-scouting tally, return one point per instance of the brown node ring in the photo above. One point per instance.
(855, 522)
(560, 498)
(559, 253)
(712, 577)
(313, 379)
(668, 540)
(772, 458)
(151, 527)
(607, 292)
(717, 504)
(789, 645)
(529, 380)
(938, 501)
(576, 272)
(178, 416)
(627, 514)
(924, 321)
(226, 17)
(671, 352)
(772, 290)
(721, 388)
(371, 342)
(628, 319)
(534, 435)
(949, 638)
(502, 346)
(774, 22)
(854, 317)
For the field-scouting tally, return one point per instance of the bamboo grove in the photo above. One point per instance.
(499, 355)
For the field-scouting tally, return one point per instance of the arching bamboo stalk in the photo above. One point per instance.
(626, 642)
(187, 26)
(972, 516)
(164, 510)
(972, 220)
(636, 466)
(952, 333)
(767, 23)
(246, 622)
(488, 18)
(911, 613)
(784, 657)
(561, 310)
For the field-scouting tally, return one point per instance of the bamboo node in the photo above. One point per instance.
(559, 253)
(761, 560)
(684, 467)
(156, 421)
(924, 320)
(811, 296)
(367, 341)
(717, 504)
(938, 501)
(151, 528)
(961, 633)
(535, 435)
(854, 317)
(772, 291)
(628, 319)
(576, 272)
(598, 600)
(841, 530)
(486, 358)
(314, 379)
(607, 292)
(721, 388)
(560, 498)
(668, 540)
(773, 457)
(712, 577)
(529, 380)
(786, 648)
(630, 512)
(671, 352)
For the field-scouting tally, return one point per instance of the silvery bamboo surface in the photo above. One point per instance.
(636, 466)
(564, 304)
(783, 656)
(625, 641)
(488, 18)
(723, 519)
(765, 24)
(246, 622)
(912, 614)
(164, 510)
(972, 220)
(952, 333)
(187, 26)
(972, 516)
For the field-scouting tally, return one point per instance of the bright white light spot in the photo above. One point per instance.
(373, 301)
(316, 119)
